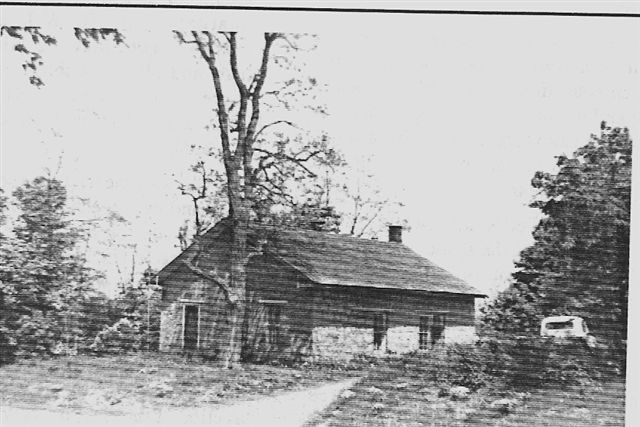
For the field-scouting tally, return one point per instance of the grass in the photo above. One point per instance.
(128, 384)
(392, 392)
(391, 396)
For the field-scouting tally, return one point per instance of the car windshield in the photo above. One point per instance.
(560, 325)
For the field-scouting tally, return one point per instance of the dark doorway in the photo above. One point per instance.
(379, 329)
(273, 325)
(191, 314)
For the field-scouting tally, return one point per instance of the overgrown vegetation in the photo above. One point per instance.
(423, 389)
(579, 262)
(48, 301)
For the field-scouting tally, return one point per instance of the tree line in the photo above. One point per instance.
(579, 261)
(49, 303)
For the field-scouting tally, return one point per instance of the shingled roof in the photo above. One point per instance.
(343, 260)
(336, 259)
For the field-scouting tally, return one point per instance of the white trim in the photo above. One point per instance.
(272, 301)
(184, 309)
(198, 340)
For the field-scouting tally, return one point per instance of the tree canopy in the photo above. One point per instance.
(579, 262)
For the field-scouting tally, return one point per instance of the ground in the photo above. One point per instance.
(157, 388)
(399, 398)
(129, 384)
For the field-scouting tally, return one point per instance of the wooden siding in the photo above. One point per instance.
(304, 306)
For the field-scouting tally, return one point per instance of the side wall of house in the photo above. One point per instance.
(270, 284)
(183, 288)
(343, 319)
(189, 290)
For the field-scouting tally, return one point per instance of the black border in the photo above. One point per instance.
(321, 9)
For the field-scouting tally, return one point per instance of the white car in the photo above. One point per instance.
(566, 327)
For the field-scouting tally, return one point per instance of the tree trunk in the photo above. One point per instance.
(238, 287)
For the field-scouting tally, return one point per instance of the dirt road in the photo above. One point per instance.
(285, 410)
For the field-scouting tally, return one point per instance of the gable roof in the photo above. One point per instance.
(344, 260)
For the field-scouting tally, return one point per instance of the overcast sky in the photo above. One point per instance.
(457, 111)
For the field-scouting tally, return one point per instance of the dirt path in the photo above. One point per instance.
(288, 409)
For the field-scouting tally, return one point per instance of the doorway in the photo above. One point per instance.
(191, 327)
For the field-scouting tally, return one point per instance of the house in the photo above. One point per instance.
(314, 294)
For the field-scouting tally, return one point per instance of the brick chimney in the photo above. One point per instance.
(395, 233)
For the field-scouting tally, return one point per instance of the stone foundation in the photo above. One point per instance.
(403, 339)
(460, 335)
(342, 343)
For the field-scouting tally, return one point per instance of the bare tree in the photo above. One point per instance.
(368, 208)
(247, 164)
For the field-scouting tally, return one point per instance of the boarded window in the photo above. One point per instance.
(431, 330)
(379, 329)
(191, 327)
(273, 322)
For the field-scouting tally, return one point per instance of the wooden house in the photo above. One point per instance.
(314, 294)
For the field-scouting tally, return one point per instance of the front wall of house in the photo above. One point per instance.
(343, 319)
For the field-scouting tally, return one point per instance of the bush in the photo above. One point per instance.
(520, 363)
(7, 347)
(124, 336)
(469, 365)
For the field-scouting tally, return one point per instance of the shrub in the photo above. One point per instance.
(520, 363)
(7, 347)
(124, 336)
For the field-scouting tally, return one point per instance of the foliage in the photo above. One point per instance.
(7, 336)
(123, 336)
(579, 262)
(523, 363)
(290, 191)
(45, 280)
(137, 326)
(30, 38)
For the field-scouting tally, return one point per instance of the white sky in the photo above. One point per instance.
(458, 111)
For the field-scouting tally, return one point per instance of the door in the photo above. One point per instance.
(191, 314)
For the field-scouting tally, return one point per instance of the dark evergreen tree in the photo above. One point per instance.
(579, 263)
(45, 274)
(7, 301)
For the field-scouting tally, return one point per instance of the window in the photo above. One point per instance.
(437, 330)
(273, 323)
(560, 325)
(425, 325)
(379, 329)
(431, 330)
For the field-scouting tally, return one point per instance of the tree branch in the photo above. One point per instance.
(298, 161)
(242, 88)
(273, 124)
(222, 281)
(257, 84)
(370, 220)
